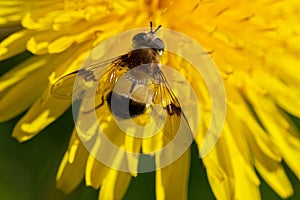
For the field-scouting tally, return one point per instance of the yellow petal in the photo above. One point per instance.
(115, 184)
(104, 174)
(237, 107)
(246, 181)
(71, 37)
(217, 178)
(239, 180)
(271, 171)
(39, 44)
(11, 13)
(60, 44)
(32, 75)
(172, 181)
(289, 73)
(152, 144)
(46, 108)
(22, 70)
(43, 112)
(132, 145)
(51, 41)
(15, 43)
(286, 96)
(95, 172)
(279, 129)
(70, 174)
(24, 93)
(41, 19)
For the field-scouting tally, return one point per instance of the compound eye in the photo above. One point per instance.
(140, 37)
(159, 44)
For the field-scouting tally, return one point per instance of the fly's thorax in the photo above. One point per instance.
(143, 56)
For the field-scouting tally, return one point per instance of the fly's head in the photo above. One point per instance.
(149, 40)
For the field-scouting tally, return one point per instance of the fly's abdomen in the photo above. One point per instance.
(123, 106)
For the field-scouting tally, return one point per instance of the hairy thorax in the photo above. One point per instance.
(141, 56)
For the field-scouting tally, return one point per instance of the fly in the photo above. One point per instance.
(147, 50)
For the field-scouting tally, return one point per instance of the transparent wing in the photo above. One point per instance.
(90, 81)
(176, 125)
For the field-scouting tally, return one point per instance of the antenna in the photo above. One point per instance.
(157, 29)
(151, 28)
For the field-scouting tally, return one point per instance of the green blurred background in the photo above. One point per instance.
(28, 170)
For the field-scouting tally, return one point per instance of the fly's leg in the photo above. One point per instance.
(98, 106)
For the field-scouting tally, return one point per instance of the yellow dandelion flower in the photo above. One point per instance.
(255, 45)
